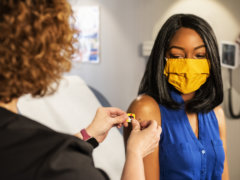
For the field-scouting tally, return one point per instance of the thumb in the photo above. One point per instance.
(152, 124)
(135, 125)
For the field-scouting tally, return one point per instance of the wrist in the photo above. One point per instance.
(85, 134)
(88, 138)
(79, 135)
(99, 136)
(134, 153)
(92, 133)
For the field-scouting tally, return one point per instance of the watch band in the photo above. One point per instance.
(93, 142)
(88, 138)
(85, 135)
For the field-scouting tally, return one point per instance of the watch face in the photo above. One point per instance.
(93, 142)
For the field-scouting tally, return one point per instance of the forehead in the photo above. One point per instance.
(186, 37)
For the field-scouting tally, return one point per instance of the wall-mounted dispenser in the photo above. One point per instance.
(229, 53)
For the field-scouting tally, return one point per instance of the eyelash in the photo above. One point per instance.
(174, 56)
(201, 56)
(198, 56)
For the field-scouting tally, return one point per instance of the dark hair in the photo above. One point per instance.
(35, 46)
(154, 82)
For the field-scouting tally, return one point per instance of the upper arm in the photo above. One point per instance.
(146, 108)
(222, 124)
(223, 135)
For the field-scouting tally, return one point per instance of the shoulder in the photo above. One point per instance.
(146, 108)
(218, 110)
(220, 118)
(219, 115)
(144, 102)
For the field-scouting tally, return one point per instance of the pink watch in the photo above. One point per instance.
(85, 135)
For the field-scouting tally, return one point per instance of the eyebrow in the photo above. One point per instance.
(181, 48)
(176, 47)
(198, 47)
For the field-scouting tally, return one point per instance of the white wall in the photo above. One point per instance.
(126, 24)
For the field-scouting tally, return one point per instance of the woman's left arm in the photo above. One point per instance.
(222, 130)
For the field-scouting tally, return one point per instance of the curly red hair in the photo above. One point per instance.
(35, 46)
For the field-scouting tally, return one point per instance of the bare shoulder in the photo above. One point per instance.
(218, 111)
(220, 115)
(146, 108)
(221, 120)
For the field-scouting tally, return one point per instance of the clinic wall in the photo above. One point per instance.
(124, 25)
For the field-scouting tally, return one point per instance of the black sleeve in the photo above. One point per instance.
(71, 162)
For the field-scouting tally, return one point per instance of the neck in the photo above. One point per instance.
(11, 106)
(187, 97)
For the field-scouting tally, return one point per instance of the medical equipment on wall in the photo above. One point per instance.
(232, 114)
(229, 54)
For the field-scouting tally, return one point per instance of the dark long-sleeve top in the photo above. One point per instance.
(30, 150)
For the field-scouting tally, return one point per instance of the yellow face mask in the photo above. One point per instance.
(187, 75)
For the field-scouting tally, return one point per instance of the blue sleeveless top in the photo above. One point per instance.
(182, 155)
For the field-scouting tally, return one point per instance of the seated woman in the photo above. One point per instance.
(35, 49)
(182, 89)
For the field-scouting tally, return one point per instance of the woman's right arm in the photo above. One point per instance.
(146, 108)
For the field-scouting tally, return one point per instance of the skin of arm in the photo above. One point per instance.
(79, 135)
(146, 108)
(143, 140)
(133, 163)
(222, 130)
